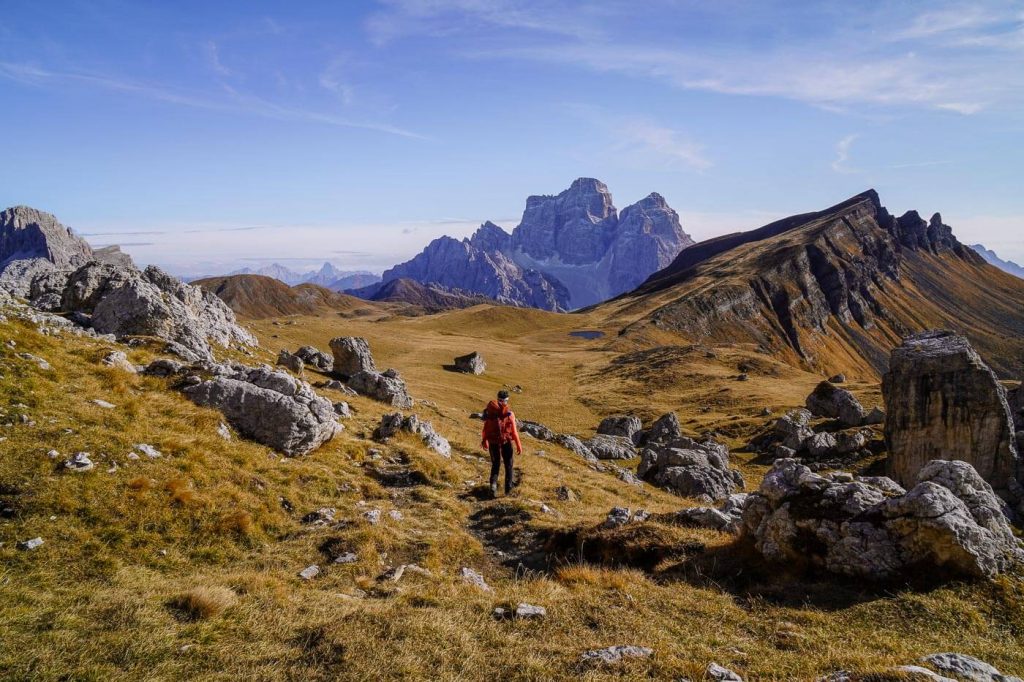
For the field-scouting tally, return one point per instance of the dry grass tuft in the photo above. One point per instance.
(181, 491)
(237, 522)
(202, 603)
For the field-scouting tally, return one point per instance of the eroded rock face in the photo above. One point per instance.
(689, 468)
(611, 447)
(943, 402)
(292, 362)
(270, 407)
(351, 356)
(870, 528)
(473, 363)
(828, 400)
(728, 518)
(34, 243)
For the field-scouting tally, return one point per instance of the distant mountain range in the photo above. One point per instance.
(992, 259)
(327, 276)
(569, 251)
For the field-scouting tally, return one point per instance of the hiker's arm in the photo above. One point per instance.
(515, 436)
(483, 436)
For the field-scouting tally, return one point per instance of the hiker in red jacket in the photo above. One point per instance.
(499, 434)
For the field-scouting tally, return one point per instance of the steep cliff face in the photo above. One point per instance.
(570, 250)
(834, 290)
(33, 243)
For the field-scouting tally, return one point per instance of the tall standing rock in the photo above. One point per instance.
(351, 356)
(943, 402)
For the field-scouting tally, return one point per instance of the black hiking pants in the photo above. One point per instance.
(499, 453)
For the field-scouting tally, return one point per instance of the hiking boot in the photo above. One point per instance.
(494, 490)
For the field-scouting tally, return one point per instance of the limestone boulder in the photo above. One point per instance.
(270, 407)
(352, 356)
(690, 468)
(387, 387)
(943, 402)
(829, 400)
(473, 363)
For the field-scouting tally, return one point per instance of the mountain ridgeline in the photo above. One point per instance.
(833, 290)
(569, 251)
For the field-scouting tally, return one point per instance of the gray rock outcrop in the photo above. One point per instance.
(290, 361)
(270, 407)
(387, 387)
(314, 357)
(351, 356)
(620, 425)
(472, 363)
(610, 447)
(392, 424)
(872, 529)
(943, 402)
(689, 468)
(828, 400)
(727, 518)
(34, 243)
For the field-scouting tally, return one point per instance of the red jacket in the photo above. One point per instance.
(500, 426)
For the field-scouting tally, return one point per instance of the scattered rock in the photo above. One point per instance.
(38, 361)
(967, 667)
(386, 387)
(320, 517)
(103, 403)
(372, 516)
(522, 611)
(728, 518)
(346, 558)
(943, 402)
(79, 463)
(665, 428)
(148, 450)
(309, 572)
(471, 577)
(950, 519)
(828, 400)
(566, 494)
(352, 356)
(393, 574)
(342, 409)
(223, 431)
(837, 379)
(689, 468)
(29, 545)
(615, 654)
(395, 515)
(721, 674)
(875, 416)
(292, 362)
(164, 367)
(742, 377)
(315, 357)
(270, 407)
(118, 359)
(471, 364)
(820, 445)
(621, 516)
(391, 424)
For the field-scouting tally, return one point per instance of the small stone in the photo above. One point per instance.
(104, 404)
(526, 611)
(565, 494)
(721, 674)
(321, 516)
(471, 577)
(966, 667)
(132, 456)
(223, 431)
(309, 572)
(615, 654)
(342, 409)
(80, 463)
(742, 377)
(393, 574)
(837, 379)
(53, 454)
(29, 545)
(372, 516)
(395, 515)
(148, 450)
(346, 558)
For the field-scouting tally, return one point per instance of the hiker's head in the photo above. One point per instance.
(503, 396)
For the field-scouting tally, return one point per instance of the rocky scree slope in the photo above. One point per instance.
(833, 290)
(568, 251)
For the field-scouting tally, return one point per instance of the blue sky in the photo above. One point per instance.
(207, 136)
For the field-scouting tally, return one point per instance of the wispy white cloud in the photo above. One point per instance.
(212, 55)
(332, 79)
(236, 101)
(843, 155)
(661, 145)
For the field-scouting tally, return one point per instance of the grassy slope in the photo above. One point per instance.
(99, 599)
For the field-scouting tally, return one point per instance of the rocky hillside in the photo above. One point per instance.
(833, 290)
(992, 258)
(257, 296)
(569, 250)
